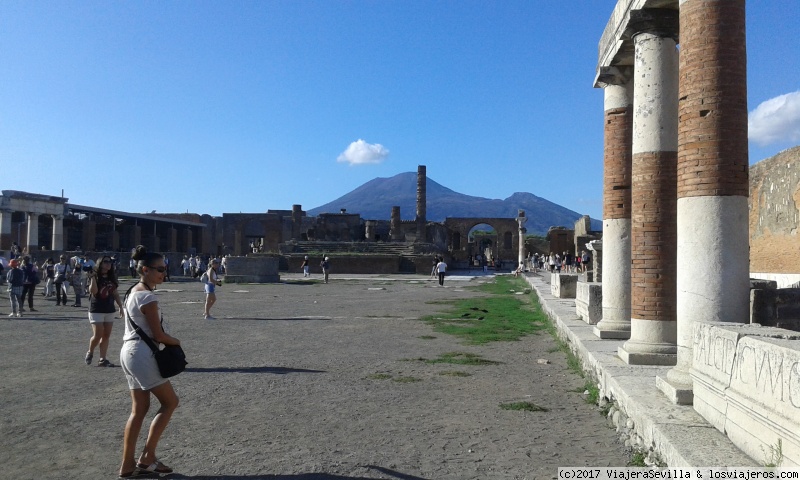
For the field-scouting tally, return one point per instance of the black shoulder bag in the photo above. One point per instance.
(171, 360)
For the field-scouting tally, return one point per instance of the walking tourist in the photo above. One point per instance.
(48, 272)
(76, 280)
(551, 261)
(187, 270)
(211, 282)
(30, 280)
(305, 267)
(103, 305)
(15, 279)
(585, 260)
(60, 281)
(326, 268)
(132, 267)
(441, 268)
(139, 364)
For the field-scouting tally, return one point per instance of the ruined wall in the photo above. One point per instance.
(774, 213)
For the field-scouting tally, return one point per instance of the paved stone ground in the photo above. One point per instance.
(279, 387)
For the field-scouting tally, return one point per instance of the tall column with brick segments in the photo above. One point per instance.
(33, 232)
(653, 200)
(713, 244)
(422, 202)
(617, 132)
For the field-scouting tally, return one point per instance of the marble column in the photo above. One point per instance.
(653, 203)
(713, 184)
(521, 220)
(33, 232)
(58, 233)
(616, 252)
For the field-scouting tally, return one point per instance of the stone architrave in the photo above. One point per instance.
(713, 187)
(33, 232)
(653, 198)
(616, 253)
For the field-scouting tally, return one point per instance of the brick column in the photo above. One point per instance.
(713, 185)
(422, 203)
(395, 228)
(521, 220)
(33, 233)
(58, 233)
(5, 229)
(616, 252)
(653, 200)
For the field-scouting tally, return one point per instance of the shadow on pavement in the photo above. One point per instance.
(300, 476)
(275, 370)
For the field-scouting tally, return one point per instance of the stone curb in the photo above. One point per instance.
(676, 434)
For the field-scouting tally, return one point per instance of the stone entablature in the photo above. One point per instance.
(747, 385)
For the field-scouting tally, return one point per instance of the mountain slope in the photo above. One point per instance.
(374, 201)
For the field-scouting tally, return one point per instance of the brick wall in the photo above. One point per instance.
(618, 132)
(712, 135)
(654, 236)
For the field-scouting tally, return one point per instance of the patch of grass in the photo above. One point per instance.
(379, 376)
(637, 459)
(455, 373)
(523, 406)
(426, 337)
(406, 379)
(461, 358)
(594, 392)
(501, 316)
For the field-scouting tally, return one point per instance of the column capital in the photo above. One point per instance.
(661, 22)
(607, 76)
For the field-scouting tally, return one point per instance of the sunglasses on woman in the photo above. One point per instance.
(159, 269)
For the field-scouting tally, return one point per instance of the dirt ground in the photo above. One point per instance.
(288, 383)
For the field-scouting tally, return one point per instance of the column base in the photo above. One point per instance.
(612, 331)
(679, 394)
(642, 358)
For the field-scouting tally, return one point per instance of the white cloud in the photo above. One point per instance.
(776, 120)
(362, 153)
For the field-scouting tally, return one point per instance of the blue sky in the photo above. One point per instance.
(215, 107)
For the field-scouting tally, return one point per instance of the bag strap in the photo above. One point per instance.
(149, 341)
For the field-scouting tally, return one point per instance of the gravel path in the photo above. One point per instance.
(300, 381)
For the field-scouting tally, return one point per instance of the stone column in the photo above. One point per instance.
(653, 203)
(33, 232)
(713, 167)
(172, 234)
(5, 229)
(89, 235)
(187, 239)
(422, 202)
(297, 221)
(617, 138)
(521, 220)
(369, 230)
(395, 228)
(58, 233)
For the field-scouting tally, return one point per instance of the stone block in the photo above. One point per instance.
(589, 302)
(747, 385)
(763, 284)
(563, 285)
(776, 307)
(255, 269)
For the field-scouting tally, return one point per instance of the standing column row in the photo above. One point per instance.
(653, 200)
(617, 130)
(713, 184)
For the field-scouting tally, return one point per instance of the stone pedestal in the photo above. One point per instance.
(252, 269)
(563, 285)
(589, 302)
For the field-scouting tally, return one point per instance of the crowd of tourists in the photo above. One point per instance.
(564, 262)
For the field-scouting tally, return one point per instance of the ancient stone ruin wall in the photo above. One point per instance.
(774, 213)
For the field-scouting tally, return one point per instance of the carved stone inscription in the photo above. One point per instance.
(764, 369)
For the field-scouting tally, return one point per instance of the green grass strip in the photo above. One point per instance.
(523, 406)
(501, 316)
